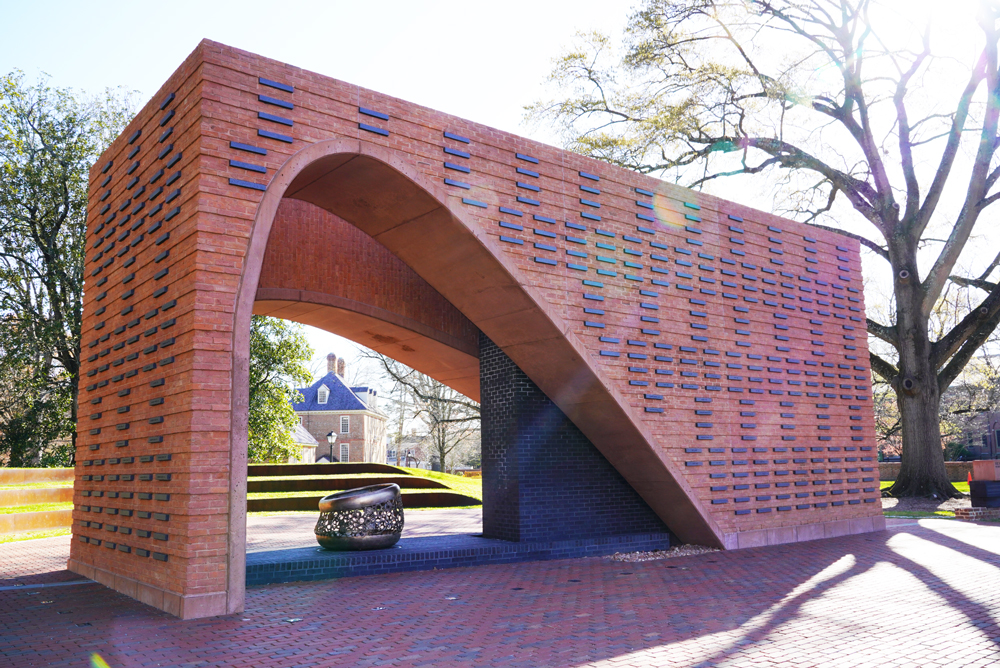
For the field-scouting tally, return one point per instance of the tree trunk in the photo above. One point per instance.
(922, 471)
(441, 443)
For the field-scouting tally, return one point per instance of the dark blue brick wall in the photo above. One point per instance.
(542, 478)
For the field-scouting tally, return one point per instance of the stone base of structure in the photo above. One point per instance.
(803, 532)
(179, 605)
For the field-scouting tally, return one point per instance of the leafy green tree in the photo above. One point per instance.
(279, 354)
(845, 111)
(49, 138)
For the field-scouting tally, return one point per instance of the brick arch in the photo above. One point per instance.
(381, 193)
(320, 270)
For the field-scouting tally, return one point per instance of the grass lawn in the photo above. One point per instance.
(36, 507)
(469, 486)
(32, 535)
(38, 485)
(889, 512)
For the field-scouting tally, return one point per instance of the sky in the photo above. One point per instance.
(478, 60)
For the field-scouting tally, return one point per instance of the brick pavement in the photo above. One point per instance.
(291, 530)
(920, 594)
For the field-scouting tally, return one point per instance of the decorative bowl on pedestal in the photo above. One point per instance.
(366, 518)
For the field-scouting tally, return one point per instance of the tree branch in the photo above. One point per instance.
(973, 283)
(976, 190)
(883, 368)
(927, 209)
(905, 145)
(883, 332)
(986, 315)
(871, 245)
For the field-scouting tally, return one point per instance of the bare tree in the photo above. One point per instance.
(844, 106)
(450, 419)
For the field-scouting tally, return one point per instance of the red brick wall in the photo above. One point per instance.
(957, 471)
(321, 424)
(471, 248)
(315, 251)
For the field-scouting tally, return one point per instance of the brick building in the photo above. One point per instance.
(330, 406)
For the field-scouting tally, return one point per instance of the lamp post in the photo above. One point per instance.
(331, 438)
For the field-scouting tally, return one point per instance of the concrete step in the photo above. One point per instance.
(410, 500)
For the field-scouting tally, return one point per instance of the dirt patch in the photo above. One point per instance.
(921, 504)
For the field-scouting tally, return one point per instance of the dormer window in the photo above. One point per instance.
(323, 394)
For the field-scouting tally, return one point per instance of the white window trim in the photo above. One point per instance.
(345, 452)
(345, 424)
(323, 394)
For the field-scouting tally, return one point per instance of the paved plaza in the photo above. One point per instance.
(295, 530)
(922, 593)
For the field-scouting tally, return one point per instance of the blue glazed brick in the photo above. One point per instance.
(530, 451)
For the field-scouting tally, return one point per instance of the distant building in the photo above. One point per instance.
(307, 442)
(408, 451)
(330, 406)
(990, 447)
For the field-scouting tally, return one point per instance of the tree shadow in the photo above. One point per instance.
(697, 611)
(977, 614)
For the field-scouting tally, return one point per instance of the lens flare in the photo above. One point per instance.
(96, 661)
(662, 212)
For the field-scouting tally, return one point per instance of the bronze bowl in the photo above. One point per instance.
(365, 518)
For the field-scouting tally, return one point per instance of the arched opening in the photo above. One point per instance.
(322, 271)
(470, 292)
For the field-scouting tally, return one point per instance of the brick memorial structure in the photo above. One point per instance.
(654, 359)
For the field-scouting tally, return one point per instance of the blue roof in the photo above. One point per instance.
(341, 398)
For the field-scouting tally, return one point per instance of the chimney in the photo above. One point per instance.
(341, 367)
(331, 363)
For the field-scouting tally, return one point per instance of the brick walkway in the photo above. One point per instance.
(921, 594)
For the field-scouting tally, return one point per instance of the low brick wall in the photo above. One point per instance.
(978, 514)
(957, 471)
(24, 497)
(48, 519)
(20, 476)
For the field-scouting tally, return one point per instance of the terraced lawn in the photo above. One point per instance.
(469, 486)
